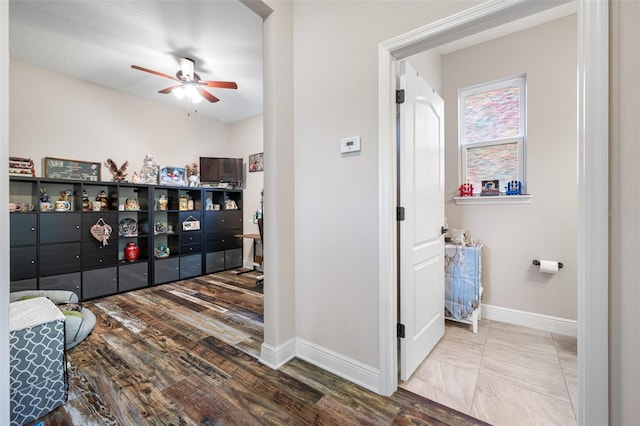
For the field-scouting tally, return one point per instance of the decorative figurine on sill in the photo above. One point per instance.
(131, 204)
(86, 205)
(148, 173)
(466, 190)
(192, 175)
(118, 173)
(103, 199)
(514, 187)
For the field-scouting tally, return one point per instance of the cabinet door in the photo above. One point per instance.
(23, 263)
(233, 258)
(59, 258)
(223, 220)
(222, 241)
(59, 227)
(99, 282)
(214, 262)
(190, 266)
(135, 275)
(91, 218)
(166, 270)
(69, 282)
(23, 229)
(95, 255)
(30, 284)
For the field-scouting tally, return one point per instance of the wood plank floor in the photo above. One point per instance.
(186, 353)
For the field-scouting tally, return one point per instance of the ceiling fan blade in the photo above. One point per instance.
(219, 84)
(169, 89)
(135, 67)
(208, 96)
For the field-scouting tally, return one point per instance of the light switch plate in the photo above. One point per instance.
(350, 144)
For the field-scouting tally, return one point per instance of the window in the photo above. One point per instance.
(492, 132)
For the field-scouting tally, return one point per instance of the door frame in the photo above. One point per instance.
(593, 181)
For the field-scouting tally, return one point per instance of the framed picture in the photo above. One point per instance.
(256, 163)
(60, 168)
(173, 176)
(490, 187)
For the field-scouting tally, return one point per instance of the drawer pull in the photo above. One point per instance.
(33, 228)
(77, 226)
(33, 262)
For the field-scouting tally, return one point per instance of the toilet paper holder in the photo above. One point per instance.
(537, 263)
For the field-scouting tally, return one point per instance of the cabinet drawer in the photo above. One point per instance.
(190, 237)
(59, 258)
(59, 227)
(99, 282)
(95, 255)
(190, 266)
(23, 263)
(69, 282)
(222, 241)
(24, 227)
(91, 218)
(133, 276)
(190, 249)
(166, 270)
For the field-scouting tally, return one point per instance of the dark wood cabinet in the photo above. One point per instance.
(56, 249)
(133, 276)
(99, 282)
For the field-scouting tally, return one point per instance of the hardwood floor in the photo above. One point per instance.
(186, 353)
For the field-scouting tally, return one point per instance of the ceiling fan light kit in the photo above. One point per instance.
(189, 83)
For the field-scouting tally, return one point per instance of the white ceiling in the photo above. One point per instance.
(98, 41)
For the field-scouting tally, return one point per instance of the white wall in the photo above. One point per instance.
(246, 139)
(54, 115)
(514, 235)
(336, 197)
(624, 215)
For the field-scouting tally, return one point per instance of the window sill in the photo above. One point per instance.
(496, 199)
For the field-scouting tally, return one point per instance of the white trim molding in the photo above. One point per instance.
(548, 323)
(347, 368)
(496, 199)
(277, 357)
(593, 180)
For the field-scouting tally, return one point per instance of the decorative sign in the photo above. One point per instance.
(59, 168)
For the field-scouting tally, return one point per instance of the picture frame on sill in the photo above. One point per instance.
(256, 162)
(61, 168)
(490, 187)
(173, 176)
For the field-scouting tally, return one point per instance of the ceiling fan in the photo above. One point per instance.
(189, 82)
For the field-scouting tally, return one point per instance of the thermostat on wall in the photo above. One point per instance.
(350, 144)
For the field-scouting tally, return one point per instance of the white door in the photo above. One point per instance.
(421, 246)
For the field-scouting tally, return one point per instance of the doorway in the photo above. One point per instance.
(593, 174)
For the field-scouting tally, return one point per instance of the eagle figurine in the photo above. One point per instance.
(119, 173)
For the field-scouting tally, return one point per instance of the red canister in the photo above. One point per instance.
(131, 252)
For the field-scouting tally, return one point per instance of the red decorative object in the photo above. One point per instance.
(466, 190)
(131, 252)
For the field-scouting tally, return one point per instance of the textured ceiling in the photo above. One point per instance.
(98, 41)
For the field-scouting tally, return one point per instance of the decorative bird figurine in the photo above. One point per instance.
(119, 173)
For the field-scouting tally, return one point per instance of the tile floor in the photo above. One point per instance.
(504, 375)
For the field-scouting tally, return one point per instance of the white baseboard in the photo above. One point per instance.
(276, 357)
(548, 323)
(349, 369)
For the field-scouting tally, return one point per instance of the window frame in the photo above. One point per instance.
(520, 139)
